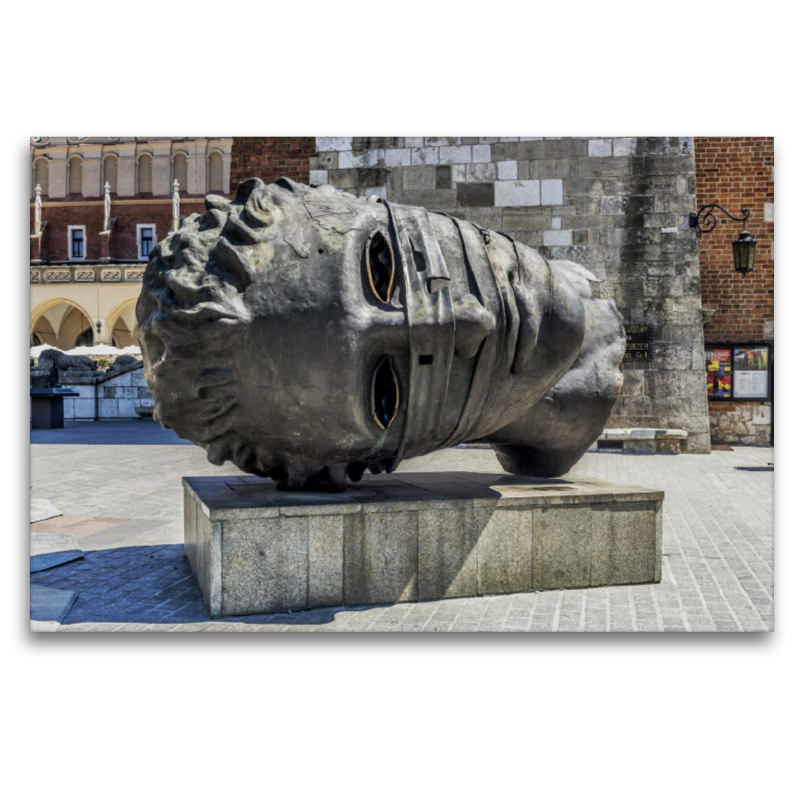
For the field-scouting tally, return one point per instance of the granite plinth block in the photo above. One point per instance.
(414, 536)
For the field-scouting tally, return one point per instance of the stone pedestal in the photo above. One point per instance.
(414, 536)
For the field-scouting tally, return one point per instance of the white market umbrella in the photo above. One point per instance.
(94, 350)
(36, 351)
(131, 350)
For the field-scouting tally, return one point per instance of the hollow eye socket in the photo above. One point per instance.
(380, 267)
(385, 394)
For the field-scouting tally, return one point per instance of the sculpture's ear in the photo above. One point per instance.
(257, 211)
(229, 265)
(246, 188)
(286, 183)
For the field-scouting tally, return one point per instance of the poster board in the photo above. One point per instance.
(719, 384)
(751, 373)
(738, 371)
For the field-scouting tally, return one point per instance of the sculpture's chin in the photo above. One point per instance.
(537, 462)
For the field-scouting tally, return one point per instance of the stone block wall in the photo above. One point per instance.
(619, 206)
(118, 394)
(740, 423)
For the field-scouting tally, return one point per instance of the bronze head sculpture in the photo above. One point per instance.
(308, 335)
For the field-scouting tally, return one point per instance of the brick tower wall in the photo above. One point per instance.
(271, 157)
(738, 172)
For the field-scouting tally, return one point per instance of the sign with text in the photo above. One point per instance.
(751, 373)
(638, 339)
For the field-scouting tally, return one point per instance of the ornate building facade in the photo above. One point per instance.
(102, 203)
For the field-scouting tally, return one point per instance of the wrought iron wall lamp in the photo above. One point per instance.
(744, 248)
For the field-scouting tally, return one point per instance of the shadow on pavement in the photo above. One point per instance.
(144, 584)
(113, 432)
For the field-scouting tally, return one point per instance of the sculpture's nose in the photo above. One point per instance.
(473, 323)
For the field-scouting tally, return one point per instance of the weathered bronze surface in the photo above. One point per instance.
(308, 335)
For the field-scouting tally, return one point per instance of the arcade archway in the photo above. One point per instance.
(123, 324)
(62, 324)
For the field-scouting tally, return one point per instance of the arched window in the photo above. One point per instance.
(41, 175)
(145, 183)
(110, 173)
(215, 173)
(75, 175)
(179, 172)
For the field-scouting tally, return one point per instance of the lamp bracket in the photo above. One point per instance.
(704, 220)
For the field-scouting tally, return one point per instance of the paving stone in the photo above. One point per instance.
(718, 575)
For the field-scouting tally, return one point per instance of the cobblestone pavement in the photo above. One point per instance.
(123, 502)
